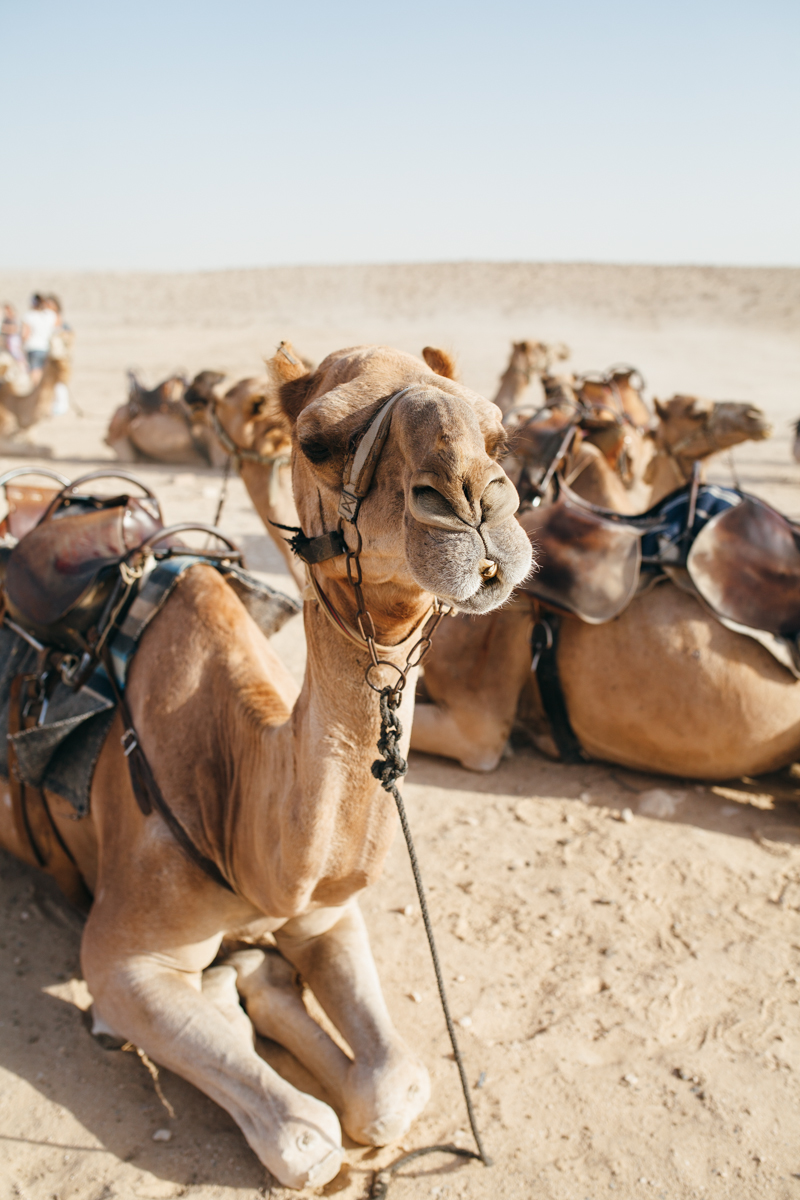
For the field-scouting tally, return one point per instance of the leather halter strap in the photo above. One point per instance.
(351, 633)
(360, 465)
(358, 472)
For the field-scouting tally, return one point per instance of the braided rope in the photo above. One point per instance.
(387, 770)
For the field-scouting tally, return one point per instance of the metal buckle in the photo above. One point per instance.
(129, 741)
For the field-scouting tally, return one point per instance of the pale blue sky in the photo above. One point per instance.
(181, 134)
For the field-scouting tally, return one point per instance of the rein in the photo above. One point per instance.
(391, 766)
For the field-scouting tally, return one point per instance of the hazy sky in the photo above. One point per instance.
(185, 134)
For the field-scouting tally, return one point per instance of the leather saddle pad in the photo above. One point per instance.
(745, 562)
(57, 567)
(27, 505)
(588, 565)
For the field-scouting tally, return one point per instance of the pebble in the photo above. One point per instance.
(631, 1080)
(162, 1135)
(626, 815)
(415, 996)
(408, 911)
(465, 1022)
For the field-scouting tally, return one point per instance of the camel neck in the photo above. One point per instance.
(514, 383)
(347, 820)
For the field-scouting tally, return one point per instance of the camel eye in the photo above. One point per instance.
(315, 450)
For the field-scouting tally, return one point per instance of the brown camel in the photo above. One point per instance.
(158, 425)
(258, 434)
(527, 360)
(276, 789)
(663, 687)
(21, 405)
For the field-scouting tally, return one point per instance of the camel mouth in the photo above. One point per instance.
(490, 594)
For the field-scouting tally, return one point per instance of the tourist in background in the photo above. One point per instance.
(11, 333)
(37, 329)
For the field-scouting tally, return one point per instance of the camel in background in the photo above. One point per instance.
(663, 687)
(23, 405)
(276, 789)
(527, 360)
(257, 432)
(157, 425)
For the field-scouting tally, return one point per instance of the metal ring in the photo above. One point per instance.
(401, 682)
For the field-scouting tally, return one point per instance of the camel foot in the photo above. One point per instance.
(377, 1101)
(384, 1101)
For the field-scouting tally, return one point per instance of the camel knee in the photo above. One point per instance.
(478, 744)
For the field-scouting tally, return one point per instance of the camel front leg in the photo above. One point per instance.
(385, 1086)
(163, 1010)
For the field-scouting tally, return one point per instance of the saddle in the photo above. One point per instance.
(62, 573)
(737, 554)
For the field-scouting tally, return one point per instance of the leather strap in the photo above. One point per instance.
(360, 465)
(39, 836)
(544, 643)
(149, 795)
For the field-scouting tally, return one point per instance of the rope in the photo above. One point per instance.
(223, 491)
(387, 770)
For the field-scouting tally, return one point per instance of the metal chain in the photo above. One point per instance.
(387, 770)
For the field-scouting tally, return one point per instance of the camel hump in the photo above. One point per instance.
(440, 362)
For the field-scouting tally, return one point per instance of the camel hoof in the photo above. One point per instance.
(312, 1157)
(388, 1110)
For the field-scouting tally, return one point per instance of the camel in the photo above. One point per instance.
(664, 687)
(527, 359)
(159, 426)
(276, 788)
(23, 405)
(258, 434)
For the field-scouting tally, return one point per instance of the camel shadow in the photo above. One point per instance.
(45, 1041)
(764, 809)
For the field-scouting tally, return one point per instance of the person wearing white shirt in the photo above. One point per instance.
(37, 329)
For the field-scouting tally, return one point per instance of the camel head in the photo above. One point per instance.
(692, 428)
(439, 513)
(251, 415)
(536, 358)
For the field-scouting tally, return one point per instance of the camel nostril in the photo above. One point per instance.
(487, 568)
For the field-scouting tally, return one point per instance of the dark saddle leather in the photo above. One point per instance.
(60, 575)
(589, 563)
(745, 562)
(742, 557)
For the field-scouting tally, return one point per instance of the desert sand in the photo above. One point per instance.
(622, 951)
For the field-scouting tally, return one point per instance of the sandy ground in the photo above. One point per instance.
(623, 951)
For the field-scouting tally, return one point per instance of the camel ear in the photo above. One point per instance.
(285, 365)
(661, 409)
(440, 362)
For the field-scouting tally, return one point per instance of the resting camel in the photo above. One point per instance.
(276, 788)
(158, 425)
(664, 687)
(21, 405)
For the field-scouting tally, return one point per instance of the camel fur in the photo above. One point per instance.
(276, 787)
(664, 687)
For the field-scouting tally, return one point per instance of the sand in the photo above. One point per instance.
(623, 951)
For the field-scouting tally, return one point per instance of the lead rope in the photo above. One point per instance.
(387, 770)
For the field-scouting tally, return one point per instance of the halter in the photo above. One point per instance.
(358, 473)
